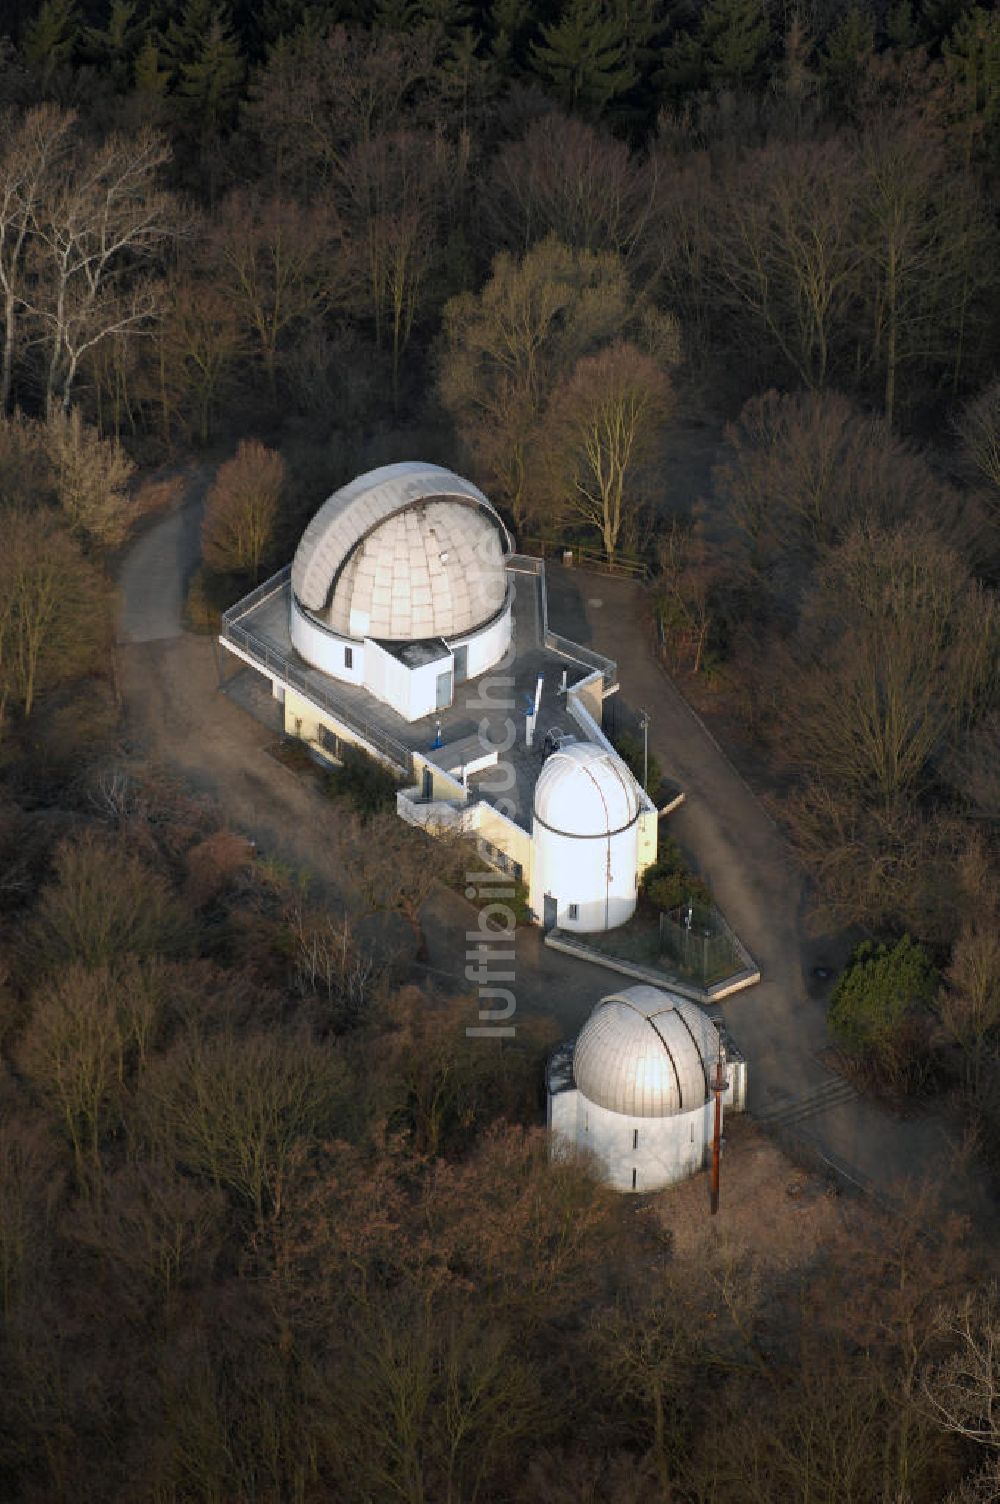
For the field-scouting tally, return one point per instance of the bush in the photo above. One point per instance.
(208, 595)
(879, 1011)
(515, 890)
(367, 783)
(669, 882)
(629, 749)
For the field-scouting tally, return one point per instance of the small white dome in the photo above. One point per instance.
(646, 1054)
(584, 790)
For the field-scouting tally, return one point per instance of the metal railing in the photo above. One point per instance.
(270, 661)
(585, 557)
(260, 593)
(555, 641)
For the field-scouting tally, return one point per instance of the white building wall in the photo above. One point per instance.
(488, 645)
(597, 873)
(661, 1151)
(325, 649)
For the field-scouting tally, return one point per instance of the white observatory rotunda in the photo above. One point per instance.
(585, 832)
(399, 585)
(635, 1090)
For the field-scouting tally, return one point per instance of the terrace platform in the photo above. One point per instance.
(489, 710)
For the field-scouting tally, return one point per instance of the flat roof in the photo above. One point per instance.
(490, 709)
(416, 654)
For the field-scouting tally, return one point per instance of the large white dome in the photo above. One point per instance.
(646, 1054)
(584, 790)
(405, 552)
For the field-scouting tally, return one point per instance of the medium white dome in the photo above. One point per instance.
(584, 790)
(404, 552)
(646, 1054)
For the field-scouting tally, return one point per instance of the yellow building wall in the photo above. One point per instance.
(648, 838)
(443, 786)
(591, 696)
(505, 835)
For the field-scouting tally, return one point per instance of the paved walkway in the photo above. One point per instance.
(177, 714)
(781, 1024)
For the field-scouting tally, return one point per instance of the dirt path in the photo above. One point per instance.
(178, 717)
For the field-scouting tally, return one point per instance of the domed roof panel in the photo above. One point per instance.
(435, 570)
(646, 1053)
(353, 511)
(585, 790)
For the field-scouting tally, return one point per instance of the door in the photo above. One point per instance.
(443, 699)
(461, 656)
(551, 913)
(428, 787)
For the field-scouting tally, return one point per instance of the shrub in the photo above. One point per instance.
(668, 882)
(367, 783)
(879, 1011)
(629, 749)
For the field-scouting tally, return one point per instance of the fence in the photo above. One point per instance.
(625, 566)
(699, 943)
(278, 666)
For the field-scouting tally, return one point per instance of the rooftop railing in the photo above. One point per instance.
(555, 641)
(279, 665)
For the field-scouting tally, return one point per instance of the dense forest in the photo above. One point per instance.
(272, 1227)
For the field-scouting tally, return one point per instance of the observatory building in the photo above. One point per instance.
(406, 626)
(635, 1089)
(399, 585)
(585, 832)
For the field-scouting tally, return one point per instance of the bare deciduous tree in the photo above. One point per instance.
(241, 508)
(787, 251)
(507, 348)
(53, 608)
(393, 188)
(281, 263)
(234, 1108)
(106, 213)
(91, 477)
(29, 159)
(969, 1002)
(571, 180)
(602, 427)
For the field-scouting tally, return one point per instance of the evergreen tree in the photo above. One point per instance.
(682, 70)
(114, 47)
(900, 26)
(844, 58)
(209, 67)
(50, 40)
(582, 56)
(510, 21)
(735, 41)
(149, 78)
(972, 61)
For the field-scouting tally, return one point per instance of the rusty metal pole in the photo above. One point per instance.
(716, 1144)
(718, 1087)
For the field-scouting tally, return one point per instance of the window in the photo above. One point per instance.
(348, 657)
(329, 740)
(574, 911)
(517, 870)
(633, 1177)
(635, 1138)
